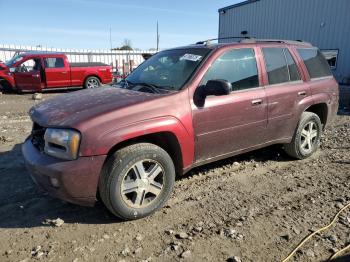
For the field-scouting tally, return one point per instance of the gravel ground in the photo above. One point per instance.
(254, 207)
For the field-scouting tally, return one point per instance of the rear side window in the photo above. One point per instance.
(315, 63)
(53, 62)
(280, 66)
(237, 66)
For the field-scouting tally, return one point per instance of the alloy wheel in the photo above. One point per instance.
(308, 137)
(142, 184)
(92, 83)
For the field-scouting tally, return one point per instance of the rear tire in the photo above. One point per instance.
(306, 139)
(92, 82)
(137, 180)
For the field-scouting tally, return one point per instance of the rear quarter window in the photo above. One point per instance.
(315, 62)
(53, 62)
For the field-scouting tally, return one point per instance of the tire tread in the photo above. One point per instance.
(292, 149)
(112, 162)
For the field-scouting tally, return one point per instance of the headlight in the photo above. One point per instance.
(62, 143)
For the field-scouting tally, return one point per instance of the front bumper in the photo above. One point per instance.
(77, 179)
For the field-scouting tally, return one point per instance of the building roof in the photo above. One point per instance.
(237, 5)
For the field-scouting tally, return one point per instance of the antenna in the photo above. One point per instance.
(110, 42)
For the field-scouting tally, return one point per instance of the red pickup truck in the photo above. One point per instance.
(37, 71)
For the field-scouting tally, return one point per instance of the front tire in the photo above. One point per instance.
(306, 139)
(92, 82)
(137, 180)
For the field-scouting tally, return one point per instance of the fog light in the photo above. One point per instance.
(54, 182)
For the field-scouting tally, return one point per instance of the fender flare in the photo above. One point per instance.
(105, 141)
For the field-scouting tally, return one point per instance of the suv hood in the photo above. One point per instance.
(71, 109)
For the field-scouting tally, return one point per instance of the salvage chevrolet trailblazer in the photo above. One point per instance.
(181, 108)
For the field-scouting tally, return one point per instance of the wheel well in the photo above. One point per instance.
(321, 110)
(91, 76)
(165, 140)
(5, 85)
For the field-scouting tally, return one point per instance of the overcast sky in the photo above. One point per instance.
(86, 23)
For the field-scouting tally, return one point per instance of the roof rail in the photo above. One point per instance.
(291, 42)
(207, 42)
(248, 39)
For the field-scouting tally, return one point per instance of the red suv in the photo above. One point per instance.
(181, 108)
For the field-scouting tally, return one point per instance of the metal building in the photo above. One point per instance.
(324, 23)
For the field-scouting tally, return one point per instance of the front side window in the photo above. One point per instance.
(237, 66)
(168, 69)
(29, 65)
(315, 62)
(53, 62)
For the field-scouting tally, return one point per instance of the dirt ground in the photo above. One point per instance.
(254, 207)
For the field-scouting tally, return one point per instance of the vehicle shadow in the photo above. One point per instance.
(22, 205)
(345, 258)
(260, 156)
(343, 112)
(342, 162)
(9, 91)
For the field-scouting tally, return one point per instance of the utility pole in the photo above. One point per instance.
(110, 42)
(158, 36)
(110, 37)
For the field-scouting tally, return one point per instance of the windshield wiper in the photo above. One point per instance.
(151, 86)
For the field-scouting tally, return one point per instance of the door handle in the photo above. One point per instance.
(64, 72)
(302, 93)
(35, 75)
(257, 102)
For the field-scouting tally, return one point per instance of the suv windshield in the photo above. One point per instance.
(168, 69)
(13, 60)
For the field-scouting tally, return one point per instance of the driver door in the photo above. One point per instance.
(229, 124)
(27, 75)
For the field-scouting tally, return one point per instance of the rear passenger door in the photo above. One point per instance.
(284, 91)
(56, 72)
(237, 121)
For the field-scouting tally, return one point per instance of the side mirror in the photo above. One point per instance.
(212, 88)
(12, 69)
(217, 88)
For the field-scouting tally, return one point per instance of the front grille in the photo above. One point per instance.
(38, 136)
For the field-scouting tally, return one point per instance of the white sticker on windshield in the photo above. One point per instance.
(191, 57)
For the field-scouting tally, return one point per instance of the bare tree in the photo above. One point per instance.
(126, 45)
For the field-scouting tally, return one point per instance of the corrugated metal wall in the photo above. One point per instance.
(324, 23)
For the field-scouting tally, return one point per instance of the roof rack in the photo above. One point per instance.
(292, 42)
(247, 39)
(207, 42)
